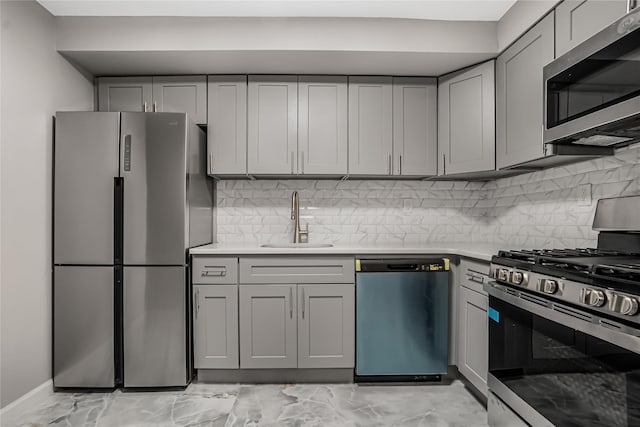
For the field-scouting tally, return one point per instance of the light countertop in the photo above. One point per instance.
(480, 251)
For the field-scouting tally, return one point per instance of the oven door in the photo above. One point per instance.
(555, 365)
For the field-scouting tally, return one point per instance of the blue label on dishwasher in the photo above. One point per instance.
(494, 314)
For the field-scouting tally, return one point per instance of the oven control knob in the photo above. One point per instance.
(592, 297)
(502, 274)
(516, 278)
(549, 286)
(628, 306)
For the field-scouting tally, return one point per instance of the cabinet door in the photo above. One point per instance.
(370, 125)
(216, 327)
(519, 92)
(466, 114)
(577, 20)
(473, 337)
(326, 326)
(322, 125)
(268, 323)
(181, 94)
(415, 147)
(273, 125)
(227, 128)
(125, 94)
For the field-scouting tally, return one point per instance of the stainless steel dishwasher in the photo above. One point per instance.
(402, 312)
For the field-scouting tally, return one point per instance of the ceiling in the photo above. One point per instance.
(446, 10)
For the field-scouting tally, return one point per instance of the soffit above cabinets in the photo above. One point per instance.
(114, 46)
(447, 10)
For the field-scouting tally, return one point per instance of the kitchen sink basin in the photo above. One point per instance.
(297, 245)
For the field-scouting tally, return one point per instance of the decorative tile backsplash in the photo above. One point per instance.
(537, 209)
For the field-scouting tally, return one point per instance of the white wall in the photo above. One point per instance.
(36, 81)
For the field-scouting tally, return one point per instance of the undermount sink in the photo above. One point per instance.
(297, 245)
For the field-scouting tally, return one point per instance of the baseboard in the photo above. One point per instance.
(26, 402)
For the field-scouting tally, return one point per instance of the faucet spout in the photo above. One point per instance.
(295, 216)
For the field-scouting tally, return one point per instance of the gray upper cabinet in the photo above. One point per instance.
(326, 326)
(227, 125)
(181, 94)
(519, 93)
(414, 126)
(322, 125)
(577, 20)
(216, 327)
(272, 125)
(125, 94)
(466, 120)
(370, 125)
(268, 326)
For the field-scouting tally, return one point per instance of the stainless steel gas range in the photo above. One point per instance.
(564, 329)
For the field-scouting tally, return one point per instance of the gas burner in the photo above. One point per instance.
(628, 272)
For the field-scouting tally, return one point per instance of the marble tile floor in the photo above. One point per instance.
(264, 405)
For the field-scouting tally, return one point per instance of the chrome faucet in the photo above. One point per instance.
(295, 215)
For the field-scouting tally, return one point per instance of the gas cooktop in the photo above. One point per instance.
(581, 264)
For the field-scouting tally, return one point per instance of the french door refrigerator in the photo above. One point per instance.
(131, 195)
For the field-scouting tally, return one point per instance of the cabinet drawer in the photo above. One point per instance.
(214, 271)
(473, 274)
(297, 270)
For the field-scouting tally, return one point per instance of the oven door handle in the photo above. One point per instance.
(605, 329)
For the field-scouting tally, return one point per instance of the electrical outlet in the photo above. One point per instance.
(584, 195)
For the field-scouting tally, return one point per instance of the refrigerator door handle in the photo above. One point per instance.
(127, 153)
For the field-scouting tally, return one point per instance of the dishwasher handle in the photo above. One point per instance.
(399, 265)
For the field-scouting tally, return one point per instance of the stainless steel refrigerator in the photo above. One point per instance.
(130, 196)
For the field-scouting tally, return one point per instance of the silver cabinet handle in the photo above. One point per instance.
(389, 166)
(145, 106)
(302, 162)
(444, 164)
(473, 278)
(292, 160)
(214, 273)
(400, 172)
(631, 4)
(303, 303)
(291, 302)
(197, 302)
(211, 163)
(155, 107)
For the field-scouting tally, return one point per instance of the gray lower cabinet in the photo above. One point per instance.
(297, 326)
(519, 95)
(186, 94)
(466, 120)
(216, 327)
(227, 125)
(577, 20)
(370, 125)
(473, 337)
(322, 125)
(272, 125)
(326, 326)
(268, 326)
(415, 142)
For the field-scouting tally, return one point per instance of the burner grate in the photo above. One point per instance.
(629, 272)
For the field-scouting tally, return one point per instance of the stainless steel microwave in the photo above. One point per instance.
(592, 93)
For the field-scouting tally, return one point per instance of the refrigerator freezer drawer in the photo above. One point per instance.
(155, 329)
(83, 327)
